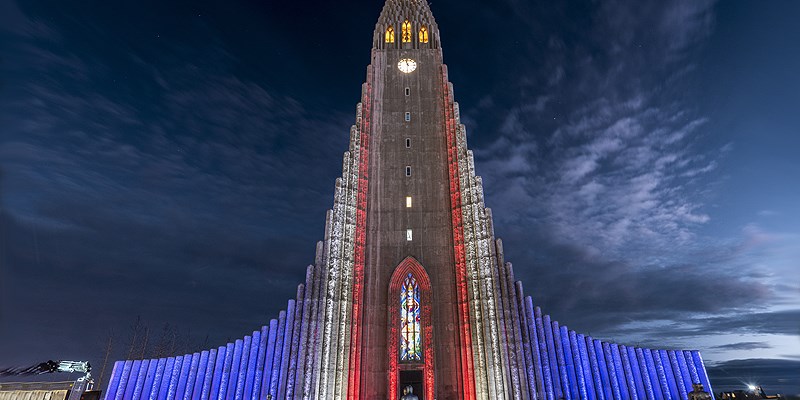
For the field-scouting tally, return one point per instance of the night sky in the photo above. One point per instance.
(173, 161)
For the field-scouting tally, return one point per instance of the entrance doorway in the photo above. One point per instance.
(413, 378)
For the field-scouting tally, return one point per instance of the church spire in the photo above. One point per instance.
(406, 24)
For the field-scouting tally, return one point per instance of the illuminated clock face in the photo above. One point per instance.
(407, 65)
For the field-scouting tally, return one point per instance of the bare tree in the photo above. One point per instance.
(108, 349)
(139, 333)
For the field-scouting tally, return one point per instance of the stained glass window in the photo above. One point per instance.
(390, 34)
(406, 32)
(423, 35)
(410, 331)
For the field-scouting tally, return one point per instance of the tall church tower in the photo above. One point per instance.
(409, 286)
(425, 226)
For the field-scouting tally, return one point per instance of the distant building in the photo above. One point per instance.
(42, 391)
(753, 393)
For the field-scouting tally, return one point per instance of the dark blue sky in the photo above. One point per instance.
(174, 160)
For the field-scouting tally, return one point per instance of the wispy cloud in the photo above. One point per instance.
(169, 178)
(743, 346)
(602, 180)
(621, 170)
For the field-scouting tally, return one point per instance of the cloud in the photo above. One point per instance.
(743, 346)
(171, 181)
(619, 170)
(604, 192)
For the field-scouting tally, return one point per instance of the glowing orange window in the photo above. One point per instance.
(406, 32)
(423, 35)
(389, 37)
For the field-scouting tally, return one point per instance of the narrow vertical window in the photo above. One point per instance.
(408, 91)
(423, 34)
(408, 116)
(408, 143)
(389, 37)
(406, 32)
(408, 170)
(408, 201)
(410, 326)
(408, 235)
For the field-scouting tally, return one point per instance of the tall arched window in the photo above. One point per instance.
(389, 37)
(423, 34)
(410, 321)
(410, 332)
(406, 32)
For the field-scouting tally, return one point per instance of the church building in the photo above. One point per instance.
(410, 286)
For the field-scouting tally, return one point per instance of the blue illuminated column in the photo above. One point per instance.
(174, 376)
(669, 371)
(225, 377)
(241, 376)
(558, 370)
(537, 363)
(192, 378)
(563, 375)
(133, 378)
(276, 360)
(517, 322)
(687, 377)
(576, 360)
(200, 377)
(113, 383)
(160, 363)
(640, 373)
(603, 365)
(283, 367)
(163, 387)
(661, 375)
(145, 378)
(649, 373)
(208, 376)
(587, 369)
(630, 379)
(692, 369)
(216, 377)
(233, 369)
(260, 361)
(545, 369)
(616, 375)
(252, 358)
(678, 374)
(530, 346)
(273, 331)
(701, 371)
(183, 376)
(594, 365)
(568, 382)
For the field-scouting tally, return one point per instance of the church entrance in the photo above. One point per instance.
(413, 378)
(410, 335)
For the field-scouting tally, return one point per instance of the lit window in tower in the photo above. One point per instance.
(406, 32)
(423, 35)
(408, 201)
(389, 34)
(410, 332)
